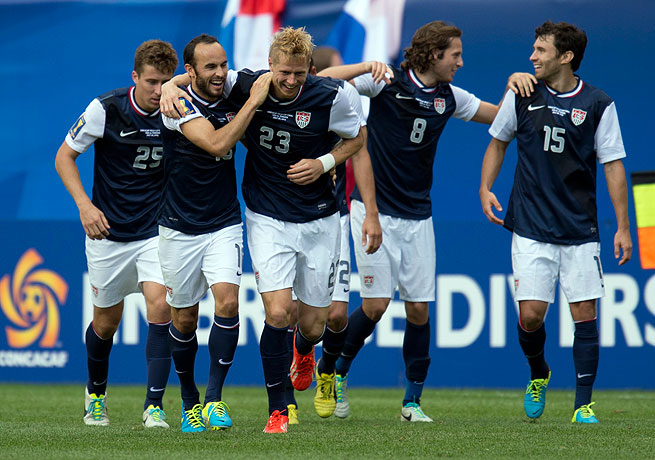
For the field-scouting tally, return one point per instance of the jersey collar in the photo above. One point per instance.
(571, 93)
(138, 109)
(417, 82)
(204, 102)
(291, 101)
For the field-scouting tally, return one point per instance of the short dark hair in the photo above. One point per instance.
(431, 37)
(156, 53)
(190, 48)
(322, 57)
(566, 37)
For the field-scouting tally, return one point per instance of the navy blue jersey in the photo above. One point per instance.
(200, 194)
(127, 170)
(559, 137)
(284, 132)
(405, 122)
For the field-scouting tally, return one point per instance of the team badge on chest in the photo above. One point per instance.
(302, 118)
(578, 116)
(230, 116)
(440, 105)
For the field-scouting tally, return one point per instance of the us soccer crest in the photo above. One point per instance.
(368, 281)
(230, 116)
(578, 116)
(440, 105)
(302, 118)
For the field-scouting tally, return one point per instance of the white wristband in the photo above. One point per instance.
(328, 161)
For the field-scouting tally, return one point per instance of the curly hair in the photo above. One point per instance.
(566, 37)
(296, 43)
(431, 37)
(157, 53)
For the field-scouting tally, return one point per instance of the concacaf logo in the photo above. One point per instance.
(31, 302)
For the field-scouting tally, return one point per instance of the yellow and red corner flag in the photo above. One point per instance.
(643, 190)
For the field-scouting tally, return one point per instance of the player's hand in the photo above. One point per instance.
(333, 174)
(522, 83)
(305, 171)
(622, 241)
(259, 89)
(380, 71)
(169, 102)
(94, 222)
(371, 233)
(489, 200)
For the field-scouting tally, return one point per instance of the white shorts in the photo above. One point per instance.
(406, 259)
(302, 256)
(537, 266)
(342, 280)
(192, 263)
(117, 269)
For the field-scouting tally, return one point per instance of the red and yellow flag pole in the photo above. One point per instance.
(643, 191)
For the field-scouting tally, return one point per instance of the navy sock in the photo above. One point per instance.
(223, 339)
(532, 343)
(289, 391)
(275, 361)
(360, 327)
(416, 352)
(183, 349)
(304, 346)
(333, 343)
(158, 361)
(585, 360)
(97, 359)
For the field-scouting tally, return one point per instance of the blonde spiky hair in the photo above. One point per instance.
(294, 43)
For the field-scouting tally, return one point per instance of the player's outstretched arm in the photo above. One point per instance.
(169, 102)
(378, 70)
(219, 142)
(93, 220)
(618, 190)
(493, 160)
(363, 171)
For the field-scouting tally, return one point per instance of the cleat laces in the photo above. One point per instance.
(534, 389)
(157, 414)
(586, 411)
(326, 388)
(96, 407)
(194, 416)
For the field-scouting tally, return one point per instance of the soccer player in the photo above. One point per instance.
(292, 215)
(406, 119)
(120, 222)
(561, 130)
(201, 233)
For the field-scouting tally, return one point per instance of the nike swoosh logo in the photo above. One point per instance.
(346, 290)
(224, 363)
(409, 419)
(268, 385)
(239, 273)
(123, 133)
(584, 375)
(400, 96)
(157, 389)
(100, 383)
(536, 107)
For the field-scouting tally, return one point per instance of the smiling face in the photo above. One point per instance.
(545, 59)
(209, 70)
(289, 74)
(444, 68)
(148, 87)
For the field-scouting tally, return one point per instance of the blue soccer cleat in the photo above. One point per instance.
(192, 419)
(584, 414)
(216, 416)
(534, 400)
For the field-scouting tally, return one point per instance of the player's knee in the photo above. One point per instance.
(531, 320)
(185, 320)
(336, 323)
(227, 307)
(105, 327)
(277, 317)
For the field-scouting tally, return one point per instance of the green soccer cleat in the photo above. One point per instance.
(584, 414)
(192, 419)
(95, 409)
(534, 400)
(412, 412)
(342, 409)
(324, 400)
(216, 416)
(154, 417)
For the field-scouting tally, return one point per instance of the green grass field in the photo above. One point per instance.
(45, 422)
